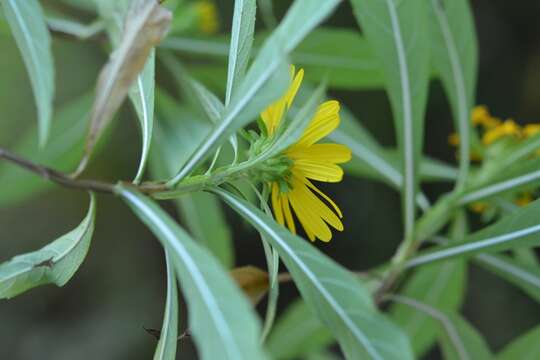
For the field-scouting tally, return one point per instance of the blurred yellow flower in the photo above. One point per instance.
(480, 116)
(208, 16)
(507, 128)
(310, 161)
(530, 130)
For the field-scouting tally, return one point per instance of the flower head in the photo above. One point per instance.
(309, 160)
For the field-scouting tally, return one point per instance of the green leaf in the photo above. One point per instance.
(455, 59)
(241, 42)
(63, 152)
(524, 276)
(397, 32)
(55, 263)
(341, 57)
(28, 26)
(520, 229)
(340, 301)
(266, 79)
(142, 97)
(168, 339)
(179, 128)
(146, 23)
(221, 319)
(141, 93)
(522, 174)
(197, 94)
(297, 332)
(459, 340)
(525, 347)
(205, 219)
(441, 286)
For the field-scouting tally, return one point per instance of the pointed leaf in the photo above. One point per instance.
(455, 58)
(520, 229)
(221, 319)
(338, 298)
(27, 23)
(397, 32)
(146, 24)
(241, 42)
(166, 348)
(55, 263)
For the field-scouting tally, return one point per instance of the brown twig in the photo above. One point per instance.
(56, 176)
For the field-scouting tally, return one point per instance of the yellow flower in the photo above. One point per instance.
(208, 16)
(507, 128)
(480, 116)
(530, 130)
(310, 161)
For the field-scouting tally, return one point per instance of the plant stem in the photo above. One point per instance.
(56, 176)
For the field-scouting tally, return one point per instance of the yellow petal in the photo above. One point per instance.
(317, 170)
(313, 224)
(332, 153)
(273, 114)
(288, 214)
(276, 203)
(323, 195)
(319, 208)
(295, 85)
(325, 121)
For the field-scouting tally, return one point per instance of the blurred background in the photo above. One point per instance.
(120, 288)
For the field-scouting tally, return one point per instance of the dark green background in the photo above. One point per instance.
(119, 289)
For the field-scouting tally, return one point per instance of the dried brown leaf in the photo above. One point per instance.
(252, 280)
(145, 26)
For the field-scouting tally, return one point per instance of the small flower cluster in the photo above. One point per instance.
(497, 136)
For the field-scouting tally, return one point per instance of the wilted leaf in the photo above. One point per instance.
(147, 22)
(252, 280)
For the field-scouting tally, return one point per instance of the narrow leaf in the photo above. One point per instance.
(221, 319)
(166, 348)
(266, 79)
(397, 32)
(146, 24)
(455, 58)
(520, 229)
(241, 42)
(55, 263)
(27, 23)
(142, 97)
(340, 301)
